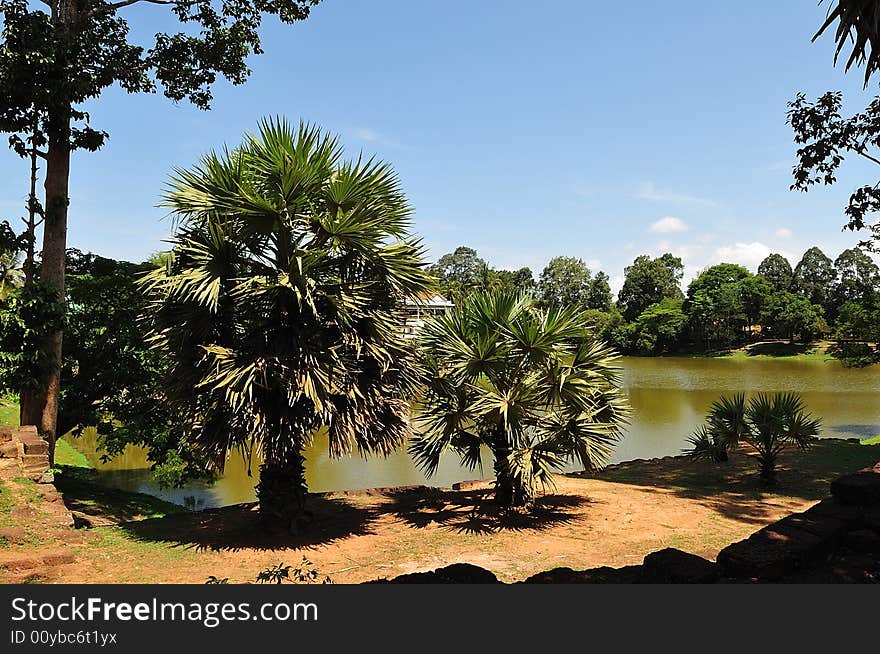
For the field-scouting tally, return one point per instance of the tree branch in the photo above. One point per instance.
(125, 3)
(868, 156)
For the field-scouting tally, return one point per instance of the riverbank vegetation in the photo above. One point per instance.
(725, 308)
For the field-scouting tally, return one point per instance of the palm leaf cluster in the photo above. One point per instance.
(858, 23)
(769, 423)
(277, 308)
(529, 384)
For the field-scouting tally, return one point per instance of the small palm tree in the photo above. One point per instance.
(529, 384)
(277, 306)
(769, 423)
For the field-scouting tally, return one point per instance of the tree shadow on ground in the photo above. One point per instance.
(475, 512)
(238, 527)
(779, 349)
(83, 493)
(734, 489)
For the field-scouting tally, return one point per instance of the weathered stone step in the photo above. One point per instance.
(860, 488)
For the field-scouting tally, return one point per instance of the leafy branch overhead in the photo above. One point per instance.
(826, 137)
(84, 47)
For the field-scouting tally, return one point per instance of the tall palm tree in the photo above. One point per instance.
(769, 423)
(529, 384)
(277, 306)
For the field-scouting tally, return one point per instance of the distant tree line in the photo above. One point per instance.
(725, 306)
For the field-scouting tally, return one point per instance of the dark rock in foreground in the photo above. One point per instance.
(627, 575)
(676, 567)
(457, 573)
(861, 488)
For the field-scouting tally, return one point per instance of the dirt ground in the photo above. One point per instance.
(614, 520)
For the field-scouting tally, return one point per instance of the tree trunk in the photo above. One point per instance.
(43, 407)
(42, 411)
(768, 470)
(26, 399)
(509, 492)
(282, 492)
(504, 491)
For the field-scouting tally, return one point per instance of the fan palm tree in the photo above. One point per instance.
(277, 306)
(769, 423)
(529, 384)
(858, 24)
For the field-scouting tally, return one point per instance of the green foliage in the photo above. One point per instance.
(826, 138)
(27, 315)
(777, 271)
(649, 281)
(462, 272)
(858, 279)
(814, 277)
(566, 281)
(767, 423)
(54, 58)
(858, 26)
(790, 315)
(306, 573)
(216, 581)
(857, 355)
(659, 328)
(113, 378)
(278, 310)
(459, 273)
(706, 446)
(528, 383)
(716, 304)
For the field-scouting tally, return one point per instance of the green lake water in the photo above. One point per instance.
(669, 396)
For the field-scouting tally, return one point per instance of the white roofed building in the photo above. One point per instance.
(416, 310)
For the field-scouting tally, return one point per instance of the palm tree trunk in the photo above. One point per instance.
(282, 492)
(504, 483)
(768, 470)
(509, 492)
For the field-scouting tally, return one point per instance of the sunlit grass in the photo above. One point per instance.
(8, 412)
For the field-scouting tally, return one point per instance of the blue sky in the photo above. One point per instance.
(525, 130)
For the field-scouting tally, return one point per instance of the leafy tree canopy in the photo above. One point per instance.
(814, 277)
(776, 269)
(648, 281)
(54, 58)
(567, 281)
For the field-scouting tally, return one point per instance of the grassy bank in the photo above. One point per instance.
(8, 412)
(818, 352)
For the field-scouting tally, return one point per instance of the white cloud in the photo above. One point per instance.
(647, 191)
(745, 254)
(669, 225)
(783, 232)
(368, 135)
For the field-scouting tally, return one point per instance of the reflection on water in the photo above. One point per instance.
(669, 396)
